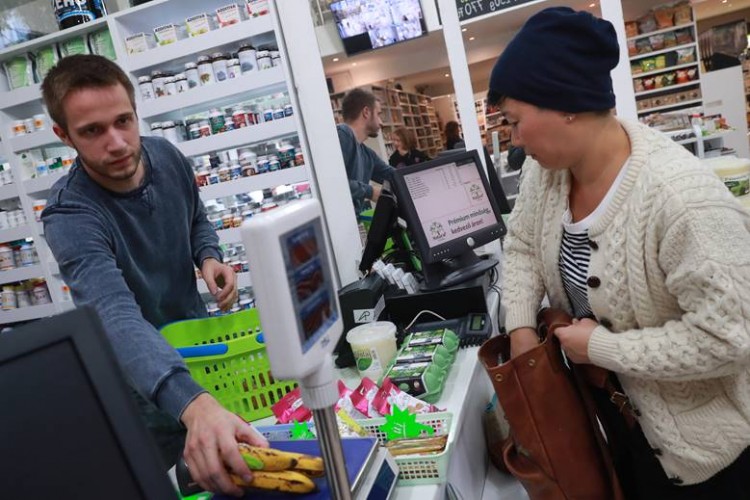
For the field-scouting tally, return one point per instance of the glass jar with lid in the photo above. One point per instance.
(146, 87)
(206, 71)
(247, 58)
(191, 72)
(220, 62)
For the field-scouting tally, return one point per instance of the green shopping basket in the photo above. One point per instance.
(227, 357)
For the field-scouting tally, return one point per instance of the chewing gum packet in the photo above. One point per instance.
(389, 396)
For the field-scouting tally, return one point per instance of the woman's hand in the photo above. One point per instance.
(575, 339)
(522, 340)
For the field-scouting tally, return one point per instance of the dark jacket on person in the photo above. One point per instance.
(412, 157)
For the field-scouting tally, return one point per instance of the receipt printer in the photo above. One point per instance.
(361, 302)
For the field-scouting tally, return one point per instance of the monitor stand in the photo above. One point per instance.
(454, 271)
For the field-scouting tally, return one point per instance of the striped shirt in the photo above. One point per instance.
(575, 251)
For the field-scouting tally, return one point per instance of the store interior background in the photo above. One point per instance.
(421, 66)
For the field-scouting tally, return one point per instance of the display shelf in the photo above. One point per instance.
(669, 106)
(43, 183)
(261, 82)
(668, 89)
(33, 140)
(8, 191)
(57, 36)
(21, 274)
(232, 235)
(15, 233)
(24, 95)
(27, 313)
(661, 31)
(166, 54)
(662, 51)
(243, 281)
(239, 137)
(54, 267)
(665, 70)
(255, 183)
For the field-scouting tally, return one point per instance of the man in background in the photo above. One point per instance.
(361, 112)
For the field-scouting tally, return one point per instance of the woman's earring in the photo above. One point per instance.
(569, 118)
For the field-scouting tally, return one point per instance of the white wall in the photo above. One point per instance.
(724, 92)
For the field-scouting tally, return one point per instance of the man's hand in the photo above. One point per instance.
(575, 339)
(376, 188)
(221, 281)
(211, 445)
(522, 340)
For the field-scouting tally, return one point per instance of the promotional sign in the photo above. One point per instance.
(468, 9)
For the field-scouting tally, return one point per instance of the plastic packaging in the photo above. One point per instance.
(73, 46)
(206, 71)
(101, 44)
(146, 88)
(19, 72)
(247, 57)
(44, 60)
(374, 346)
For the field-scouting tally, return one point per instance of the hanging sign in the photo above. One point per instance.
(468, 9)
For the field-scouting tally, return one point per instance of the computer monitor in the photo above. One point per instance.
(68, 426)
(449, 211)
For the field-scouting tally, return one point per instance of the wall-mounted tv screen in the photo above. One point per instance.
(370, 24)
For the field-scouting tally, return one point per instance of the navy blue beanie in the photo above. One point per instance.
(561, 59)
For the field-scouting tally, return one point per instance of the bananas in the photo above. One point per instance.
(267, 459)
(278, 470)
(308, 465)
(287, 481)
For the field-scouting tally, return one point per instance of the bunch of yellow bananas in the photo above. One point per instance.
(280, 470)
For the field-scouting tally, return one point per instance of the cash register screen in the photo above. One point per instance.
(44, 392)
(310, 282)
(68, 425)
(451, 201)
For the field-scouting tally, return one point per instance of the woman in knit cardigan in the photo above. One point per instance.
(628, 232)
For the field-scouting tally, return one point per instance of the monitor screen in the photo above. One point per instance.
(307, 268)
(447, 205)
(370, 24)
(68, 428)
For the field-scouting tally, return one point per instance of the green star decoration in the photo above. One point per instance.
(301, 430)
(402, 424)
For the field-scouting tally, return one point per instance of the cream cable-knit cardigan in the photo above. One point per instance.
(673, 259)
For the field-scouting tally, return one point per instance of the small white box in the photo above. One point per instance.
(168, 33)
(140, 42)
(228, 15)
(198, 24)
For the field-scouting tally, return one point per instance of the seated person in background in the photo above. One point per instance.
(406, 152)
(453, 139)
(361, 112)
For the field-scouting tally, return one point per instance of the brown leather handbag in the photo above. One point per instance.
(556, 449)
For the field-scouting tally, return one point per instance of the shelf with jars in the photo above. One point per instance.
(248, 87)
(663, 52)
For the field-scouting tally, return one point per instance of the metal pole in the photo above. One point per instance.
(333, 454)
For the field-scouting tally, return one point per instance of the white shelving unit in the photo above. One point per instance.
(25, 102)
(672, 97)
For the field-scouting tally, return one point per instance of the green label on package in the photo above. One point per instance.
(416, 354)
(410, 378)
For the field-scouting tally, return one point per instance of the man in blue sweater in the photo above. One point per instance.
(127, 226)
(361, 112)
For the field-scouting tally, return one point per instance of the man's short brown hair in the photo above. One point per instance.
(80, 72)
(354, 102)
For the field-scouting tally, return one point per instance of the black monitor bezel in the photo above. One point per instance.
(408, 211)
(83, 330)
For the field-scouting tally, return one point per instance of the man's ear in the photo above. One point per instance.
(62, 135)
(366, 112)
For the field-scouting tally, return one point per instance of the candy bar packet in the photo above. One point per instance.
(363, 396)
(290, 408)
